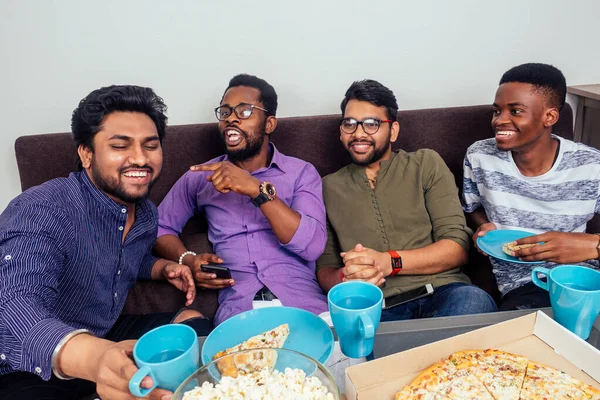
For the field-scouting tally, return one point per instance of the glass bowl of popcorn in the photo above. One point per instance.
(260, 374)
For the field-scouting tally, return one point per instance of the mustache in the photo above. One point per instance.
(361, 141)
(138, 167)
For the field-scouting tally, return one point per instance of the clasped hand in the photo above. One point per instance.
(362, 263)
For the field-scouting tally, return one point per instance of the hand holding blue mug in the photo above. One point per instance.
(167, 354)
(574, 294)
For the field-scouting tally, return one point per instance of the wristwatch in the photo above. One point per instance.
(396, 262)
(267, 193)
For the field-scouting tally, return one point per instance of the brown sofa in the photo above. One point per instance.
(449, 131)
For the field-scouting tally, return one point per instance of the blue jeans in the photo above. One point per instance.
(452, 299)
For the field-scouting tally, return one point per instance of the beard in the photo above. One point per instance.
(252, 148)
(376, 154)
(113, 187)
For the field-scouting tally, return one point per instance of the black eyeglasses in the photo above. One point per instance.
(242, 111)
(369, 125)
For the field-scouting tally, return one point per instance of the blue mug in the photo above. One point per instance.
(355, 309)
(167, 354)
(574, 295)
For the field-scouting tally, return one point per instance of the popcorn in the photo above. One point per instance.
(263, 385)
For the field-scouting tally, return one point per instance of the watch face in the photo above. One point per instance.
(270, 189)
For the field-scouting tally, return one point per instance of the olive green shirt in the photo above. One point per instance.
(414, 204)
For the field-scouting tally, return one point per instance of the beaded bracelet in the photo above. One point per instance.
(185, 253)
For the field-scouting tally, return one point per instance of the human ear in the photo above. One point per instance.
(270, 124)
(395, 131)
(85, 155)
(551, 117)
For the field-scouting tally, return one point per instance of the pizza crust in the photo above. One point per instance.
(508, 248)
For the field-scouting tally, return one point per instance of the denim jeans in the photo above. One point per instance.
(452, 299)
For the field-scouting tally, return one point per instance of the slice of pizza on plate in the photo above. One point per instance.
(256, 360)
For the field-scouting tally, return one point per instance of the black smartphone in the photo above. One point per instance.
(405, 297)
(221, 272)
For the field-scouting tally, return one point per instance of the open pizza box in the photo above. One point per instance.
(535, 336)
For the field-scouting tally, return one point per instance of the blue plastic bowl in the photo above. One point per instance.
(309, 334)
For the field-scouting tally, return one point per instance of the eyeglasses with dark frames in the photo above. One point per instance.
(242, 111)
(369, 125)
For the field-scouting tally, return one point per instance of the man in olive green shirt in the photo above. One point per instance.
(395, 219)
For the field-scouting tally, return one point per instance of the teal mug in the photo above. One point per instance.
(167, 354)
(574, 294)
(355, 309)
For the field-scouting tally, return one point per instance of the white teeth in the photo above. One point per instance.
(136, 173)
(231, 133)
(505, 133)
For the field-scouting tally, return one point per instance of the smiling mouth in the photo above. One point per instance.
(137, 176)
(505, 134)
(360, 147)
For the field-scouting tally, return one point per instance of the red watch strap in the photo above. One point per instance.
(396, 262)
(394, 254)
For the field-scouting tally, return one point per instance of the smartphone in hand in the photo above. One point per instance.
(410, 295)
(221, 272)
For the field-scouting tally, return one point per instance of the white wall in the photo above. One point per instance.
(431, 53)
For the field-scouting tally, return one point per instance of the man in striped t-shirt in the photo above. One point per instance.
(529, 179)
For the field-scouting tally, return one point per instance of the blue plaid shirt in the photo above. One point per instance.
(63, 266)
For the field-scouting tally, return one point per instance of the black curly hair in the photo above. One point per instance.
(546, 79)
(373, 92)
(87, 118)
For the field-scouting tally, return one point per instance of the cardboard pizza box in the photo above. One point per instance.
(535, 336)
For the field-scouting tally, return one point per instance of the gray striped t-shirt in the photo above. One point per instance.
(563, 199)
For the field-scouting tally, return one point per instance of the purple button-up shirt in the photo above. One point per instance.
(244, 239)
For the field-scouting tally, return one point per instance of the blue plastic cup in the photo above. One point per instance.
(574, 294)
(167, 354)
(355, 309)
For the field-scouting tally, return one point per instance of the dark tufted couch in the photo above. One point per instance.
(449, 131)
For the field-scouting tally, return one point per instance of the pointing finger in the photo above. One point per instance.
(206, 167)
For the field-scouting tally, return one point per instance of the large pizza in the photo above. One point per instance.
(493, 374)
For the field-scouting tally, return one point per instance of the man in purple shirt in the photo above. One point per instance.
(265, 212)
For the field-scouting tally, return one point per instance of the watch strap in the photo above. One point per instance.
(396, 262)
(260, 200)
